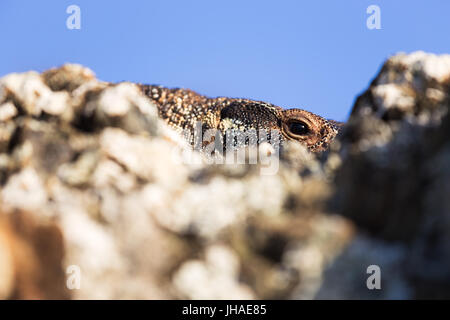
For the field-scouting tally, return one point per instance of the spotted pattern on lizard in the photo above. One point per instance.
(183, 108)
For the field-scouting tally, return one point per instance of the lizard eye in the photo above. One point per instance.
(298, 128)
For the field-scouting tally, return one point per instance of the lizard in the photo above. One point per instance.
(182, 108)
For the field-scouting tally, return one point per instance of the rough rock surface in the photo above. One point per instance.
(100, 199)
(394, 180)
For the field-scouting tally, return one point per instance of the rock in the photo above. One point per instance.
(394, 173)
(7, 111)
(129, 210)
(214, 278)
(24, 185)
(31, 254)
(68, 77)
(387, 146)
(34, 97)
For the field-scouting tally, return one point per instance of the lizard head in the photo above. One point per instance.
(311, 130)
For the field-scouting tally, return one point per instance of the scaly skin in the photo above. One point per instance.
(183, 108)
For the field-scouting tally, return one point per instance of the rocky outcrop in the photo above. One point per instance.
(394, 177)
(116, 205)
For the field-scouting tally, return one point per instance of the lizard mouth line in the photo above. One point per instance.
(258, 147)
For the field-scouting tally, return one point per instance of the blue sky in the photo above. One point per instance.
(316, 55)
